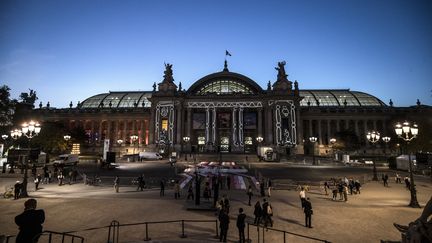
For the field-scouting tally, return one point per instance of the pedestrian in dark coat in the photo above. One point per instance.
(241, 225)
(223, 225)
(17, 189)
(308, 213)
(30, 222)
(257, 212)
(250, 194)
(262, 188)
(162, 188)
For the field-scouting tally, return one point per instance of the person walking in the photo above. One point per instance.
(386, 180)
(17, 190)
(162, 189)
(117, 184)
(176, 190)
(37, 180)
(141, 182)
(308, 213)
(269, 187)
(223, 225)
(326, 187)
(257, 213)
(345, 192)
(241, 225)
(262, 188)
(267, 212)
(30, 222)
(302, 196)
(190, 194)
(60, 178)
(357, 186)
(249, 193)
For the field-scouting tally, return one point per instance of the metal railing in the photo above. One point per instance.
(64, 237)
(263, 229)
(114, 228)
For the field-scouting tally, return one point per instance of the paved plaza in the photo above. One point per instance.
(367, 217)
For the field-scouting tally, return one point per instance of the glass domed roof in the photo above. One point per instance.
(339, 97)
(118, 100)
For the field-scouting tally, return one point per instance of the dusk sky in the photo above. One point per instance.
(71, 50)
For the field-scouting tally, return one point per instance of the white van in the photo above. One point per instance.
(66, 159)
(149, 155)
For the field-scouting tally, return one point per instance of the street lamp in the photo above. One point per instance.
(4, 136)
(408, 132)
(15, 134)
(186, 139)
(30, 130)
(67, 138)
(332, 142)
(259, 139)
(313, 141)
(373, 137)
(134, 138)
(119, 142)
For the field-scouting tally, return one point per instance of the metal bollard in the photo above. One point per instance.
(183, 233)
(146, 228)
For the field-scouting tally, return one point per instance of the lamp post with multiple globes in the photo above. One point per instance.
(134, 138)
(313, 141)
(408, 132)
(186, 139)
(119, 142)
(29, 130)
(373, 137)
(67, 138)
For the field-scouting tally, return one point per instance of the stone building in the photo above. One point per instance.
(228, 112)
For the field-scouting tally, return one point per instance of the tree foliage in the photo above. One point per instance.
(29, 98)
(347, 140)
(7, 107)
(50, 139)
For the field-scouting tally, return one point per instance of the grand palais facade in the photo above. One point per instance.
(228, 112)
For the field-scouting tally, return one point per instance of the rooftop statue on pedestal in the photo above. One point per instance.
(167, 85)
(282, 84)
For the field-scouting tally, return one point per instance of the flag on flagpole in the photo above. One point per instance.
(227, 53)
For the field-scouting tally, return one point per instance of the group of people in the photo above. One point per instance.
(343, 187)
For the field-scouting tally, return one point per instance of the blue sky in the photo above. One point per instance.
(71, 50)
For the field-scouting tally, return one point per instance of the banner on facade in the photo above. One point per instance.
(106, 148)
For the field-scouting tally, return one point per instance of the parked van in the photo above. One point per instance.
(149, 155)
(66, 159)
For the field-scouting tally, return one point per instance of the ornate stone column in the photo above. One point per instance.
(329, 135)
(319, 132)
(207, 128)
(151, 127)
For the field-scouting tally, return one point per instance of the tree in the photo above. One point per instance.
(50, 139)
(29, 98)
(7, 107)
(346, 140)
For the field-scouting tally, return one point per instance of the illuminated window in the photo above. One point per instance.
(165, 124)
(225, 87)
(201, 140)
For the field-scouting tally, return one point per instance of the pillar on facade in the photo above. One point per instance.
(260, 133)
(151, 126)
(125, 124)
(179, 125)
(269, 125)
(329, 135)
(319, 132)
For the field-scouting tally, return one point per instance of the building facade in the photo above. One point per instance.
(228, 112)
